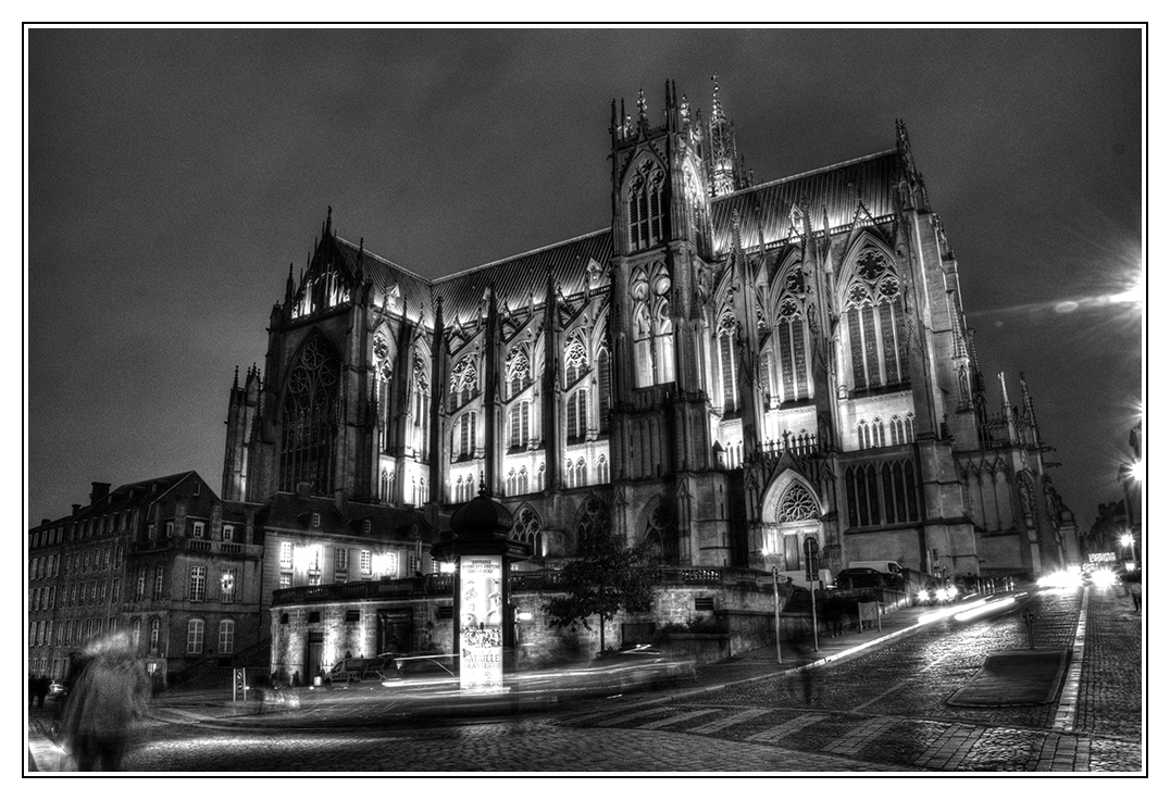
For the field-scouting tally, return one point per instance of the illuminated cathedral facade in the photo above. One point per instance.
(724, 372)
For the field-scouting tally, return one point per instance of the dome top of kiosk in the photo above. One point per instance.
(481, 519)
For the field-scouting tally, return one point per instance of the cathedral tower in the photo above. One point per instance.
(666, 487)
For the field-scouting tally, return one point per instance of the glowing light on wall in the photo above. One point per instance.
(307, 557)
(386, 564)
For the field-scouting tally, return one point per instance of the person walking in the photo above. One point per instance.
(109, 696)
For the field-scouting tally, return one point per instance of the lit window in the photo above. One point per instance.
(227, 586)
(170, 529)
(340, 560)
(577, 415)
(727, 363)
(229, 533)
(316, 520)
(197, 584)
(644, 206)
(286, 555)
(194, 636)
(285, 580)
(140, 587)
(136, 631)
(158, 582)
(197, 530)
(366, 562)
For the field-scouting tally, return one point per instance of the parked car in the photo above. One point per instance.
(350, 670)
(861, 578)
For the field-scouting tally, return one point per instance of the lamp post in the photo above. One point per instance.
(1127, 540)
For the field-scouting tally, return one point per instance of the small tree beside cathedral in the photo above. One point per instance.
(608, 578)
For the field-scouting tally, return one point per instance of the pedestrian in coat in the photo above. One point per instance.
(104, 704)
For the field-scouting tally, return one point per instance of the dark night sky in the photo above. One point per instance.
(175, 174)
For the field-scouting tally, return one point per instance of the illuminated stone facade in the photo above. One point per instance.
(723, 372)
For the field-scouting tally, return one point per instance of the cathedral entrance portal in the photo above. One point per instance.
(791, 516)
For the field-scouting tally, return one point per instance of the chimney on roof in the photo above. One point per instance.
(76, 508)
(98, 491)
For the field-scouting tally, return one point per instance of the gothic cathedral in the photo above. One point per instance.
(724, 373)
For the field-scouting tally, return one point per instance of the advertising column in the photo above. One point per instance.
(481, 632)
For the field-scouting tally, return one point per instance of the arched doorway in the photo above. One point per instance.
(792, 515)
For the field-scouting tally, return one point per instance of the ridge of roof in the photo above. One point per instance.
(807, 173)
(515, 256)
(383, 259)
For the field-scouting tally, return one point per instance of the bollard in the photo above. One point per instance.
(1029, 621)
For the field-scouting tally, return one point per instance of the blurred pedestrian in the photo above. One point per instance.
(41, 690)
(1133, 582)
(106, 700)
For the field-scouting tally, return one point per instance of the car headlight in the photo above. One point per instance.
(923, 596)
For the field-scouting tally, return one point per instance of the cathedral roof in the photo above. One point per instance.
(414, 292)
(836, 189)
(522, 278)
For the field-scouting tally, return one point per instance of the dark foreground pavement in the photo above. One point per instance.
(867, 701)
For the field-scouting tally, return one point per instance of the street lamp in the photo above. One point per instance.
(1127, 540)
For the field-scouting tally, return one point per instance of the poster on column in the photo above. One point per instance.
(481, 631)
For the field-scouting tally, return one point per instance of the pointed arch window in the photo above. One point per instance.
(874, 317)
(792, 337)
(644, 205)
(602, 469)
(527, 528)
(518, 425)
(522, 481)
(881, 493)
(582, 478)
(576, 362)
(463, 441)
(577, 419)
(383, 368)
(516, 371)
(727, 363)
(464, 382)
(420, 403)
(798, 504)
(653, 328)
(603, 390)
(309, 417)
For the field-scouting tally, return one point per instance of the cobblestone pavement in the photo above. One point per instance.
(883, 709)
(510, 746)
(888, 705)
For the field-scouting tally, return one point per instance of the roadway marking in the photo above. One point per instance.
(621, 719)
(778, 732)
(1066, 712)
(901, 683)
(727, 722)
(662, 723)
(857, 738)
